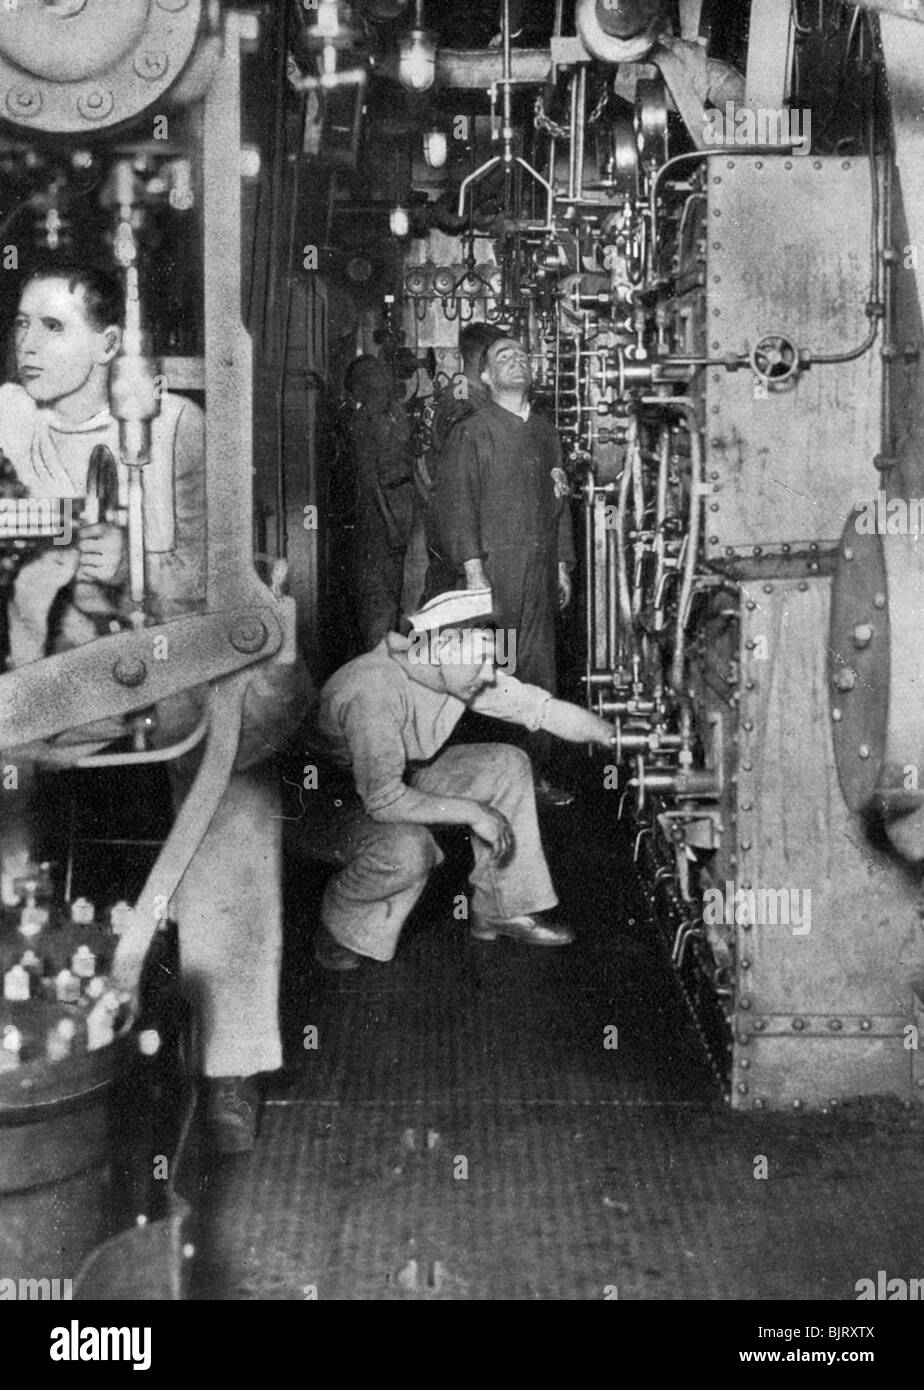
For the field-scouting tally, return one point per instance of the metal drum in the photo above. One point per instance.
(54, 1176)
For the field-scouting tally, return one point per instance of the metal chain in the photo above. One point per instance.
(543, 122)
(600, 106)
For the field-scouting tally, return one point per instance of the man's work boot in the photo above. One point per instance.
(231, 1110)
(530, 929)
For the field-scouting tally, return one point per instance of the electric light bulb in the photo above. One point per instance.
(399, 222)
(417, 60)
(435, 148)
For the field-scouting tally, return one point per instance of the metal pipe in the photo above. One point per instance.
(590, 590)
(688, 409)
(610, 645)
(660, 518)
(577, 134)
(556, 33)
(694, 782)
(149, 755)
(572, 145)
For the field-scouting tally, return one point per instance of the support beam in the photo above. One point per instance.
(768, 55)
(903, 50)
(690, 14)
(228, 359)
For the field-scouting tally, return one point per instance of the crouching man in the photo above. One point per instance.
(385, 717)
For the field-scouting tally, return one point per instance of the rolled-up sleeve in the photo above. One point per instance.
(511, 700)
(370, 724)
(176, 574)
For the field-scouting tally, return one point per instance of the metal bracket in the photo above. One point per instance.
(125, 672)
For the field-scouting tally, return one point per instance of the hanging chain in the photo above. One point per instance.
(561, 132)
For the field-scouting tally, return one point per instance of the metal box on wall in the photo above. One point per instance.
(788, 461)
(823, 997)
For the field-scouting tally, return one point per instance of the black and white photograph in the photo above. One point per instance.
(462, 665)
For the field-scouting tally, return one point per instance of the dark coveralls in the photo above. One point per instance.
(387, 513)
(501, 495)
(451, 410)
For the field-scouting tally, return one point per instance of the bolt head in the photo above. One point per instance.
(130, 671)
(248, 635)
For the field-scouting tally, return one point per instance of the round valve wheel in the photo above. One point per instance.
(775, 358)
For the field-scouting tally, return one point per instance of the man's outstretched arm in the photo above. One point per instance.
(575, 724)
(535, 709)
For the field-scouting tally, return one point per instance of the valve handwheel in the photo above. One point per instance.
(775, 358)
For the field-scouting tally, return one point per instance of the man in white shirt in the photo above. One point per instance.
(385, 716)
(67, 332)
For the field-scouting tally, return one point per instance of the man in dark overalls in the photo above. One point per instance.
(500, 518)
(387, 511)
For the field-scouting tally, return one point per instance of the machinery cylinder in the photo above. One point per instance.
(54, 1162)
(876, 672)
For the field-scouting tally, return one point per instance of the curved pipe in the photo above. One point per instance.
(149, 755)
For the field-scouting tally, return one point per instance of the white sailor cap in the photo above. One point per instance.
(457, 608)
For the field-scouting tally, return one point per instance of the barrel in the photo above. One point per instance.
(54, 1164)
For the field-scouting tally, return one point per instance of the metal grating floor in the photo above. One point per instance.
(461, 1132)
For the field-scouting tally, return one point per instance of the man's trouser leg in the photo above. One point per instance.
(229, 911)
(378, 579)
(387, 866)
(415, 570)
(501, 777)
(526, 604)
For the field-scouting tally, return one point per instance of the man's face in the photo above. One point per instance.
(506, 367)
(466, 660)
(57, 348)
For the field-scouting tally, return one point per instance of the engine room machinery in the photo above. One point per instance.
(716, 271)
(121, 142)
(709, 239)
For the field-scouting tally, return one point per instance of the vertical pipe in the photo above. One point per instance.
(611, 625)
(228, 357)
(572, 163)
(556, 33)
(508, 96)
(577, 132)
(590, 586)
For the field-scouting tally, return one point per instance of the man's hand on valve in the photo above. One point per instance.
(102, 554)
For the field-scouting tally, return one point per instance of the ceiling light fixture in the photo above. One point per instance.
(417, 55)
